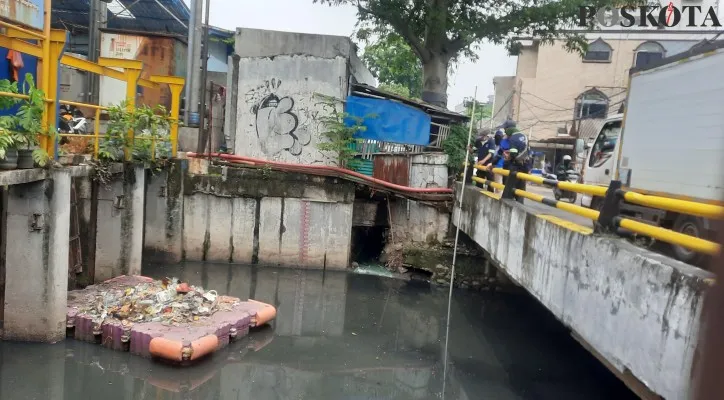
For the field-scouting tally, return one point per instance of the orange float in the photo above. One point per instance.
(181, 343)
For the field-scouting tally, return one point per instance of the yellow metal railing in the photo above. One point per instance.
(48, 48)
(656, 232)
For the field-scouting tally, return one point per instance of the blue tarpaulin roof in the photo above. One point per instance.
(131, 15)
(389, 121)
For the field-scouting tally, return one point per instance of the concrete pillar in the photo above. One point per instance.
(86, 192)
(232, 101)
(110, 202)
(38, 228)
(119, 232)
(132, 226)
(163, 224)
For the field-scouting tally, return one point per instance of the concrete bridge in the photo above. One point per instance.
(635, 310)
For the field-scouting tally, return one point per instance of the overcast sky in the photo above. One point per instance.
(304, 16)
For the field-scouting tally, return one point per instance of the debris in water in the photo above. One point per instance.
(166, 301)
(165, 318)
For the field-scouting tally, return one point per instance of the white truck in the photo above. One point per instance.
(669, 142)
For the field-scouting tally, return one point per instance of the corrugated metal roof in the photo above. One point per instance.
(433, 110)
(133, 15)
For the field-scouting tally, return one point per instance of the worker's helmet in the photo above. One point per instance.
(566, 158)
(509, 123)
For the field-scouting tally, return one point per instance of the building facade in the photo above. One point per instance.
(555, 91)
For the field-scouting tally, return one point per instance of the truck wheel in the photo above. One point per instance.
(691, 226)
(557, 194)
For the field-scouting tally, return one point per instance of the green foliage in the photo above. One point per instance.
(397, 89)
(25, 127)
(150, 128)
(441, 31)
(41, 157)
(30, 114)
(6, 142)
(394, 64)
(9, 87)
(451, 27)
(339, 134)
(455, 146)
(482, 111)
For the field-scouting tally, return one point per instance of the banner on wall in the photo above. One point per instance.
(24, 12)
(389, 121)
(158, 55)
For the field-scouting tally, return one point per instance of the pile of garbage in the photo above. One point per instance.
(167, 301)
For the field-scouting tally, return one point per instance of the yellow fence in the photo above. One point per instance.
(617, 194)
(48, 47)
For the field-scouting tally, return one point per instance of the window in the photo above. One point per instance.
(591, 104)
(648, 53)
(605, 144)
(598, 51)
(120, 10)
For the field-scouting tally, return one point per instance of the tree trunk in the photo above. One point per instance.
(434, 77)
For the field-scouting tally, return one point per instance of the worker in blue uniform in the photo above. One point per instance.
(515, 157)
(486, 147)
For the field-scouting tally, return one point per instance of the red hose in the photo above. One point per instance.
(303, 167)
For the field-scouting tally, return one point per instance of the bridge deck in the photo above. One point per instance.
(637, 310)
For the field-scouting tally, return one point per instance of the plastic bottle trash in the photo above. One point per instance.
(211, 295)
(167, 301)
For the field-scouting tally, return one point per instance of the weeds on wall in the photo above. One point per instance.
(23, 129)
(455, 146)
(340, 131)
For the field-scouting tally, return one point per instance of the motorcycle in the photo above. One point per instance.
(72, 121)
(572, 177)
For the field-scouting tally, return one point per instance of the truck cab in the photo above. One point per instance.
(600, 162)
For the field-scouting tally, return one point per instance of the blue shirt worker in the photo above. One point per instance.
(486, 152)
(515, 157)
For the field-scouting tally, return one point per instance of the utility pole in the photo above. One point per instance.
(492, 112)
(191, 61)
(204, 135)
(98, 19)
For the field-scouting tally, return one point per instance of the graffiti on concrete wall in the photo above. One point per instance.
(278, 124)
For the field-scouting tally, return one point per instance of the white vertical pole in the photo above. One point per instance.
(492, 113)
(455, 251)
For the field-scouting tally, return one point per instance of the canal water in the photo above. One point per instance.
(337, 336)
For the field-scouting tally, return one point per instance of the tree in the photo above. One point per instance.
(482, 111)
(440, 31)
(395, 65)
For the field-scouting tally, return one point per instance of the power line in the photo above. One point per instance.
(538, 121)
(540, 98)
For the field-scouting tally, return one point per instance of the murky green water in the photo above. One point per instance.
(337, 336)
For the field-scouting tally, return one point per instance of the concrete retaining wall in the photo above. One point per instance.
(249, 216)
(37, 242)
(638, 309)
(285, 82)
(278, 117)
(268, 218)
(38, 220)
(416, 222)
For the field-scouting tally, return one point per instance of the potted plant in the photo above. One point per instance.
(8, 152)
(8, 146)
(28, 119)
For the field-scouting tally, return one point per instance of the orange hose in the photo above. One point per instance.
(328, 169)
